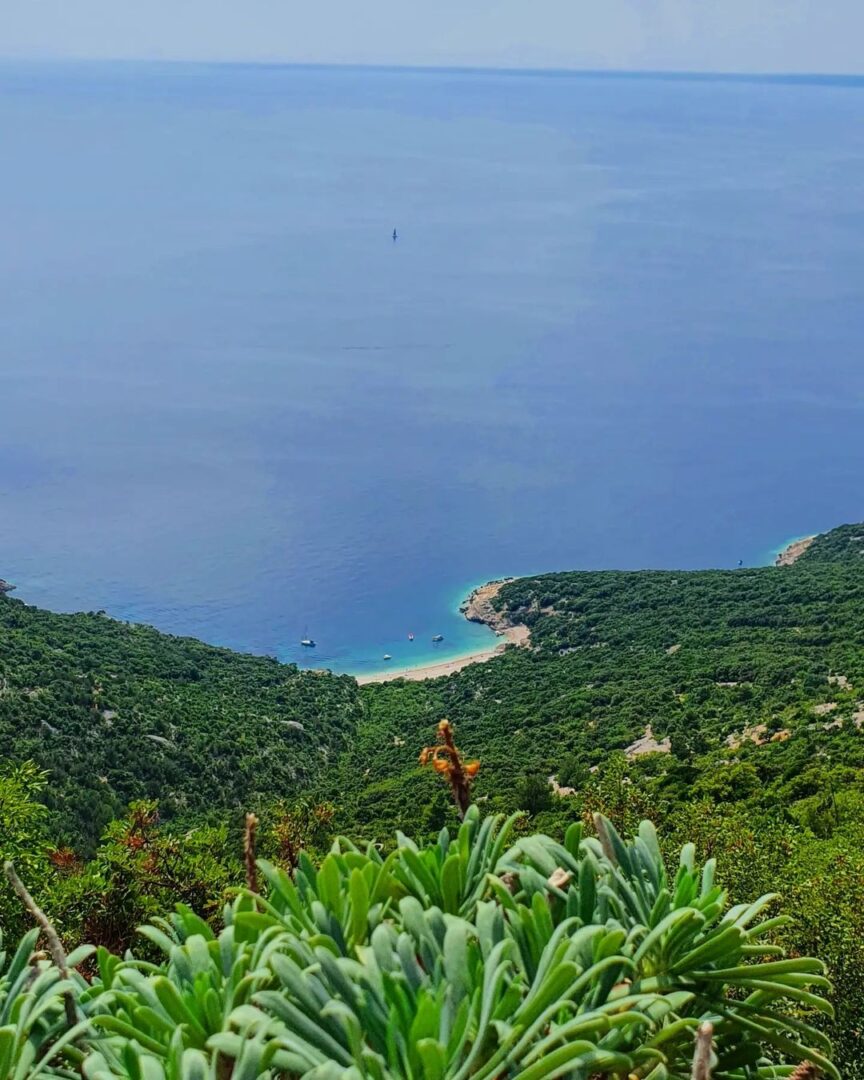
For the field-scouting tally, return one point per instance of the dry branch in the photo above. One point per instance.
(55, 946)
(249, 853)
(703, 1057)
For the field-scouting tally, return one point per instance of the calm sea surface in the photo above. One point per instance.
(622, 326)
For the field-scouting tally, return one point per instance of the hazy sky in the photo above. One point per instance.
(711, 35)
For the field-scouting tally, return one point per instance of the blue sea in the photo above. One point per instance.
(622, 326)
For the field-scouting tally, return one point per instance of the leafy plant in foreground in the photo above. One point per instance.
(467, 958)
(33, 1021)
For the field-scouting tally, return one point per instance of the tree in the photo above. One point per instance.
(533, 794)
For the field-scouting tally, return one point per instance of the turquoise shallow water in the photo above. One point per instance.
(771, 556)
(621, 327)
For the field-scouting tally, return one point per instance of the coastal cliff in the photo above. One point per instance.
(479, 608)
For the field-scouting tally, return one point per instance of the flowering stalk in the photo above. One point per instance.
(447, 760)
(805, 1071)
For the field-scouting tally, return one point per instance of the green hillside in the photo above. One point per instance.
(752, 684)
(704, 658)
(116, 712)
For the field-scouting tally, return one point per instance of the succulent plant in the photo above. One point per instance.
(466, 958)
(33, 1023)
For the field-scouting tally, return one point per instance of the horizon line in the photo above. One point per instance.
(671, 74)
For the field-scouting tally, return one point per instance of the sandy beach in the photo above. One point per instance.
(794, 552)
(478, 608)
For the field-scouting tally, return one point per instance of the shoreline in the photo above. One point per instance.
(476, 608)
(793, 551)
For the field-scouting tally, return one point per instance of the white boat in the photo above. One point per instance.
(438, 637)
(387, 656)
(308, 643)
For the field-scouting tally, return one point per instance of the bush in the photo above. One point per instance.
(481, 955)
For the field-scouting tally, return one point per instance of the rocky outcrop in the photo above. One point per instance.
(479, 608)
(5, 586)
(647, 744)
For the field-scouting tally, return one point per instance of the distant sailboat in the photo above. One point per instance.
(306, 641)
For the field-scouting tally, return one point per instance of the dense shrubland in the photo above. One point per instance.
(704, 658)
(116, 713)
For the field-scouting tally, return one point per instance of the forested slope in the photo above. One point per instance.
(117, 712)
(704, 658)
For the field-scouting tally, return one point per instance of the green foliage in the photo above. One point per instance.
(291, 828)
(483, 955)
(23, 834)
(33, 1029)
(703, 657)
(755, 677)
(533, 794)
(117, 713)
(140, 870)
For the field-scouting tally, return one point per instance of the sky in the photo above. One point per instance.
(770, 36)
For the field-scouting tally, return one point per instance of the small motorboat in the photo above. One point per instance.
(387, 656)
(438, 637)
(410, 637)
